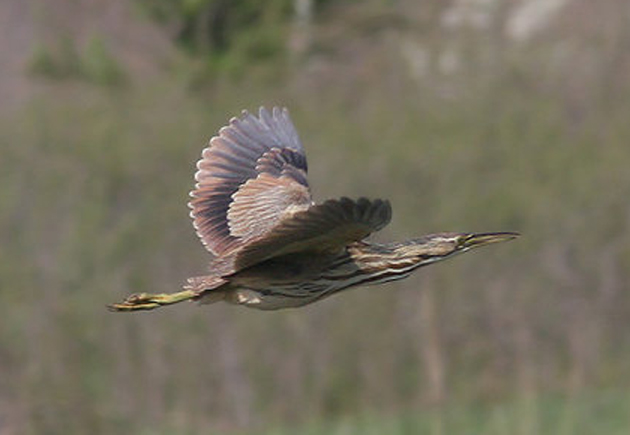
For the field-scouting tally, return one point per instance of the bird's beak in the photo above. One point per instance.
(481, 239)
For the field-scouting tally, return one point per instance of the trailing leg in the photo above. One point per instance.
(148, 301)
(196, 289)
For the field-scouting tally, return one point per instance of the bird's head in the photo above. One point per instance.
(435, 247)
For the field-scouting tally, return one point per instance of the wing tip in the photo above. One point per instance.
(275, 110)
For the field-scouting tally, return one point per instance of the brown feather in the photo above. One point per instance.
(252, 201)
(325, 227)
(249, 155)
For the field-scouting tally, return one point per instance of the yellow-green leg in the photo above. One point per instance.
(148, 301)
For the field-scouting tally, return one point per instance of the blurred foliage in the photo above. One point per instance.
(530, 337)
(602, 412)
(231, 36)
(99, 66)
(63, 60)
(64, 63)
(219, 26)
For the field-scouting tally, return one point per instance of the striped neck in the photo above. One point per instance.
(370, 263)
(405, 256)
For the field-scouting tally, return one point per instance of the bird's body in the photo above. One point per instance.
(272, 247)
(297, 280)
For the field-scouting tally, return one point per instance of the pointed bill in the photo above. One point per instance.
(480, 239)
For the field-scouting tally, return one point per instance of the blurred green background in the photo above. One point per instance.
(469, 115)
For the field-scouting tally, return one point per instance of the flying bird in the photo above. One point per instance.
(271, 245)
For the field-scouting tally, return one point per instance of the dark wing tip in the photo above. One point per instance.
(383, 211)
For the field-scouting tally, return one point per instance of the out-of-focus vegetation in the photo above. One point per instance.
(217, 26)
(459, 116)
(602, 412)
(63, 61)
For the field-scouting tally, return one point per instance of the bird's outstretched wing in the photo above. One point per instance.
(252, 200)
(250, 178)
(325, 227)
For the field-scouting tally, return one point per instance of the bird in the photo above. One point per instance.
(272, 247)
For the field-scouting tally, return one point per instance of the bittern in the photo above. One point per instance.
(272, 247)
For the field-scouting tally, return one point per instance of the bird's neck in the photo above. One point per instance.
(394, 256)
(367, 263)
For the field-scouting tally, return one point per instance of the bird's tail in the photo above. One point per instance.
(207, 288)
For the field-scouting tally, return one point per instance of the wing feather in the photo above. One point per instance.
(252, 201)
(328, 226)
(255, 163)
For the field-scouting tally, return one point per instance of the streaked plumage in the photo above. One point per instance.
(272, 247)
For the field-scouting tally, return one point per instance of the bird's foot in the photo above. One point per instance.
(148, 301)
